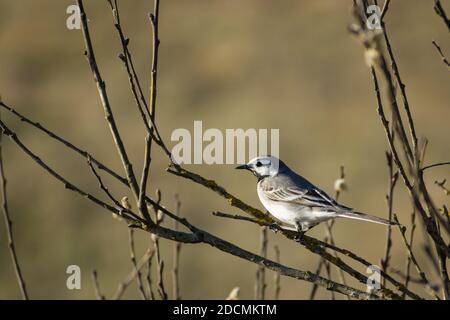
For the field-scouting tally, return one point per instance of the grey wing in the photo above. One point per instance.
(310, 197)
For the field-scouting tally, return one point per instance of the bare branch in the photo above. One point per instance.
(431, 229)
(444, 59)
(436, 165)
(339, 186)
(444, 274)
(399, 123)
(317, 247)
(154, 20)
(131, 218)
(277, 275)
(145, 171)
(101, 86)
(66, 183)
(133, 77)
(393, 177)
(65, 142)
(260, 281)
(133, 274)
(411, 254)
(8, 225)
(200, 236)
(126, 58)
(411, 240)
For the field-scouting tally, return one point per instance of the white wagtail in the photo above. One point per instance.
(295, 201)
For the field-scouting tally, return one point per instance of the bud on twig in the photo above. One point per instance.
(234, 294)
(125, 203)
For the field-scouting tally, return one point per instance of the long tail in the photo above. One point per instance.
(366, 217)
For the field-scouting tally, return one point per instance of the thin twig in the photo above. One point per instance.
(149, 280)
(145, 172)
(101, 86)
(65, 142)
(317, 247)
(8, 225)
(133, 274)
(176, 254)
(441, 185)
(385, 9)
(411, 240)
(405, 276)
(260, 281)
(200, 236)
(98, 294)
(441, 13)
(134, 81)
(68, 185)
(184, 238)
(445, 278)
(444, 59)
(154, 20)
(276, 274)
(314, 288)
(411, 254)
(430, 256)
(436, 165)
(339, 186)
(133, 261)
(393, 177)
(159, 215)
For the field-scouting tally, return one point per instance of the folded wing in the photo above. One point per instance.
(311, 197)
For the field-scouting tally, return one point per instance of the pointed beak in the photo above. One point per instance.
(244, 166)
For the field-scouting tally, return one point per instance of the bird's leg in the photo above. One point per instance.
(299, 236)
(300, 232)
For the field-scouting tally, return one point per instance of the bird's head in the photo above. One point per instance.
(264, 166)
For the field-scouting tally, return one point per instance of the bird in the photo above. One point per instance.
(295, 201)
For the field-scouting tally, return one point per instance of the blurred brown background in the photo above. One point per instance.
(232, 64)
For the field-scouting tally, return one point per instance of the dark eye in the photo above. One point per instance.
(258, 164)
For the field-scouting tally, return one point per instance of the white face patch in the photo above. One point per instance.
(264, 166)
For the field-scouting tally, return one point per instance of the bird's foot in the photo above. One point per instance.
(299, 236)
(300, 232)
(274, 227)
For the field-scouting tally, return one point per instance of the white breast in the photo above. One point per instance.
(280, 210)
(293, 213)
